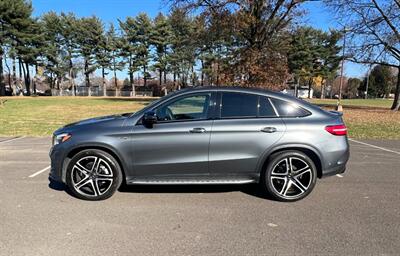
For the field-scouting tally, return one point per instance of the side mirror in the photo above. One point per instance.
(149, 119)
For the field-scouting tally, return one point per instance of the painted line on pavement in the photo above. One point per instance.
(373, 146)
(39, 172)
(13, 139)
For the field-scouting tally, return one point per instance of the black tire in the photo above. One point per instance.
(293, 186)
(107, 177)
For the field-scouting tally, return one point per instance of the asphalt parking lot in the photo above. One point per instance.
(354, 214)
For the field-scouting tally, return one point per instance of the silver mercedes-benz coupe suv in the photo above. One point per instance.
(206, 135)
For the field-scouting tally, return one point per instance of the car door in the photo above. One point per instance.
(177, 145)
(246, 127)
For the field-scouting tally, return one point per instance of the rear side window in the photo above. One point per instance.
(265, 108)
(237, 105)
(287, 109)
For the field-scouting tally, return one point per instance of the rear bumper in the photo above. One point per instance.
(334, 171)
(337, 165)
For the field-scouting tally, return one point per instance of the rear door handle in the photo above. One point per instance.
(198, 130)
(268, 129)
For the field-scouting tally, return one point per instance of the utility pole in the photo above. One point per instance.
(339, 105)
(366, 87)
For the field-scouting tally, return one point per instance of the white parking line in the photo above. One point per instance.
(373, 146)
(39, 172)
(13, 139)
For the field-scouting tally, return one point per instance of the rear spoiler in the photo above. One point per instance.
(337, 113)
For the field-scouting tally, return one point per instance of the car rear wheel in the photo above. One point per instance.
(93, 175)
(289, 176)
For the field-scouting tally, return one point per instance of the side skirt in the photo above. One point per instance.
(152, 181)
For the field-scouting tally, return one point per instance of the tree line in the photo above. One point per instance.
(199, 42)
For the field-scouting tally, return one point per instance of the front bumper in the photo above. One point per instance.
(57, 164)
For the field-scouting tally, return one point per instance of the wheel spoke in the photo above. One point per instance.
(288, 186)
(95, 187)
(284, 185)
(100, 175)
(104, 179)
(278, 175)
(302, 171)
(299, 185)
(81, 168)
(273, 173)
(95, 166)
(96, 182)
(289, 165)
(82, 182)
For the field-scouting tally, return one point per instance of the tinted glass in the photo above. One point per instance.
(187, 108)
(287, 109)
(265, 108)
(238, 105)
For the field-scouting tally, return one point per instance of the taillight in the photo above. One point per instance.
(338, 130)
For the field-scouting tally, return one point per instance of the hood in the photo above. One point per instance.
(96, 120)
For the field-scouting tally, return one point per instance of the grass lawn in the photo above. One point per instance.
(40, 116)
(376, 103)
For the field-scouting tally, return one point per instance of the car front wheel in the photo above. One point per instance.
(93, 175)
(290, 175)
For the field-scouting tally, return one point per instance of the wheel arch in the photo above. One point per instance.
(306, 149)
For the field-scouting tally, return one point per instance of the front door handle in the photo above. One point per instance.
(268, 129)
(198, 130)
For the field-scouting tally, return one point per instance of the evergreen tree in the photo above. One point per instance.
(52, 33)
(183, 51)
(115, 45)
(15, 19)
(28, 48)
(142, 26)
(313, 53)
(89, 35)
(161, 39)
(381, 81)
(128, 46)
(103, 56)
(70, 27)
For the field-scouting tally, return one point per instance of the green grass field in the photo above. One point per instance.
(378, 103)
(40, 116)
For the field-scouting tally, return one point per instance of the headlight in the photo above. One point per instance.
(57, 139)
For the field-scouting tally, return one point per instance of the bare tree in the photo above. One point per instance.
(374, 32)
(257, 57)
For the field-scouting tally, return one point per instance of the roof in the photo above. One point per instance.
(260, 91)
(236, 89)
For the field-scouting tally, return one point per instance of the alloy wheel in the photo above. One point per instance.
(92, 176)
(291, 177)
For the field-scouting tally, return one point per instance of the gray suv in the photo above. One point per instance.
(207, 135)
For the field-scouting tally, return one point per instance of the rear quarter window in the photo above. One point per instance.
(288, 109)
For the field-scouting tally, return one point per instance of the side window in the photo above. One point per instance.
(192, 107)
(238, 105)
(287, 109)
(265, 108)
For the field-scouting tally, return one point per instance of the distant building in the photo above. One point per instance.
(302, 92)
